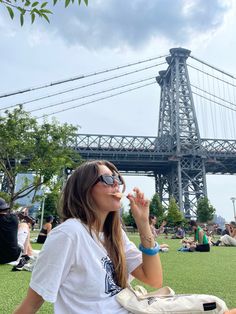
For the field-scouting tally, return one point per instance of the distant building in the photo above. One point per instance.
(26, 201)
(219, 220)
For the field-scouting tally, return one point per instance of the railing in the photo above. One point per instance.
(153, 145)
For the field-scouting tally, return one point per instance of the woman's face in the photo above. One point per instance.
(101, 193)
(154, 221)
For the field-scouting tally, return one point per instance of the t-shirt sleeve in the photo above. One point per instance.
(53, 265)
(133, 255)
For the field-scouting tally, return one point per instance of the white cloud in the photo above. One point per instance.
(134, 23)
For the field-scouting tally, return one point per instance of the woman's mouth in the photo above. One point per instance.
(117, 194)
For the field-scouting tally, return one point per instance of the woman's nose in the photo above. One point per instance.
(115, 182)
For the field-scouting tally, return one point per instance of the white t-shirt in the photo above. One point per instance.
(74, 272)
(23, 233)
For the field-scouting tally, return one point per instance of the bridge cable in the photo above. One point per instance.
(213, 67)
(90, 95)
(229, 102)
(217, 103)
(95, 100)
(77, 78)
(217, 78)
(82, 86)
(234, 128)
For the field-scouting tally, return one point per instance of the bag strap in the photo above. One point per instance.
(141, 293)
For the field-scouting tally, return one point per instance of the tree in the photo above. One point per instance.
(156, 207)
(51, 204)
(174, 216)
(205, 211)
(32, 8)
(128, 219)
(44, 150)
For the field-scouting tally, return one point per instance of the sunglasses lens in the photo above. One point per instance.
(109, 180)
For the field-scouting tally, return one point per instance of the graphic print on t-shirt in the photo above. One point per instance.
(110, 285)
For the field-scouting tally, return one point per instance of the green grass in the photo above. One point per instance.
(209, 273)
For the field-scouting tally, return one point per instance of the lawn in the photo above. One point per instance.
(209, 273)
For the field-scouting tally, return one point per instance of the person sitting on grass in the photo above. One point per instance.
(228, 239)
(87, 259)
(14, 236)
(152, 221)
(23, 234)
(180, 233)
(201, 243)
(47, 227)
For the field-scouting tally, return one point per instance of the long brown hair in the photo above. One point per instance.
(76, 202)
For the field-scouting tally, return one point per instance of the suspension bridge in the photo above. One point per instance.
(196, 127)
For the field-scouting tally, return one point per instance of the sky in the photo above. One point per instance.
(111, 33)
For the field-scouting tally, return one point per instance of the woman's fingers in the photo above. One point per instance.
(138, 198)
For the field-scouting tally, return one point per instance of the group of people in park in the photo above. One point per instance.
(86, 260)
(199, 242)
(202, 240)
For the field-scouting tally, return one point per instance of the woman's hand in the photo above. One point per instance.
(139, 206)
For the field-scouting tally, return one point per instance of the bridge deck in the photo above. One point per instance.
(141, 154)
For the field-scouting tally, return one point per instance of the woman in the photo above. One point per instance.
(152, 221)
(87, 259)
(229, 239)
(201, 243)
(47, 227)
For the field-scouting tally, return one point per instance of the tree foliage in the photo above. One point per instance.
(28, 147)
(174, 216)
(33, 8)
(128, 219)
(205, 211)
(51, 204)
(156, 208)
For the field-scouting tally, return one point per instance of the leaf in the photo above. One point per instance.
(86, 2)
(10, 11)
(43, 11)
(54, 2)
(67, 3)
(79, 1)
(34, 4)
(22, 11)
(21, 19)
(32, 18)
(44, 4)
(27, 3)
(36, 11)
(46, 17)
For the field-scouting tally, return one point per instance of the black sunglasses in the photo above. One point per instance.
(109, 180)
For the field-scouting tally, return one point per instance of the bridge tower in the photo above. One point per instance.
(185, 180)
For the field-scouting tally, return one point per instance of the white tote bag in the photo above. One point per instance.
(165, 301)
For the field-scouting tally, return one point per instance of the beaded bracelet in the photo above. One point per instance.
(150, 251)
